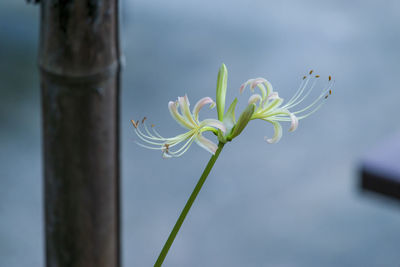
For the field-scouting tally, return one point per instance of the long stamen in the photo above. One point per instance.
(183, 147)
(311, 112)
(302, 86)
(300, 92)
(323, 94)
(155, 131)
(296, 102)
(150, 147)
(145, 138)
(150, 134)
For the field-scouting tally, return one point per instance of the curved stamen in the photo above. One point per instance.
(300, 91)
(321, 96)
(187, 146)
(296, 101)
(182, 147)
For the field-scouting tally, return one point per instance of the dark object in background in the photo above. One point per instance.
(380, 170)
(79, 59)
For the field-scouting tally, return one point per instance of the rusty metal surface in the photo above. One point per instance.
(79, 62)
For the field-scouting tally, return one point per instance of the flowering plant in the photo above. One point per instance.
(266, 106)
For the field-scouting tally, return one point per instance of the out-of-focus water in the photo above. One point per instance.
(295, 203)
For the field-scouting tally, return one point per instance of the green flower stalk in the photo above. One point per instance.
(265, 105)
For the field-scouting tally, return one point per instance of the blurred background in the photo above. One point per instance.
(295, 203)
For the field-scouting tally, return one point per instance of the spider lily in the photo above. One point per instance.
(270, 106)
(172, 146)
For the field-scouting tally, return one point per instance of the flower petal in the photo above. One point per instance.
(273, 96)
(206, 144)
(257, 81)
(254, 99)
(270, 90)
(184, 107)
(172, 106)
(277, 132)
(271, 106)
(243, 86)
(260, 82)
(213, 123)
(202, 102)
(294, 123)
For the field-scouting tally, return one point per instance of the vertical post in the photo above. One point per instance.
(79, 59)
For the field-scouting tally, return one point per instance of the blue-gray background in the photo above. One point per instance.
(295, 203)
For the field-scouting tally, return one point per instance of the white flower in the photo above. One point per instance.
(270, 106)
(190, 121)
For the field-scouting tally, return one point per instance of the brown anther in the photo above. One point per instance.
(330, 77)
(330, 92)
(145, 118)
(152, 126)
(166, 148)
(304, 77)
(134, 123)
(137, 122)
(311, 71)
(316, 76)
(326, 96)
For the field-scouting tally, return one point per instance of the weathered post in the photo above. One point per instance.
(79, 59)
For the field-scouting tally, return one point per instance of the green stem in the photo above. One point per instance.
(187, 207)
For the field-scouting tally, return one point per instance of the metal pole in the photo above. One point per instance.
(79, 59)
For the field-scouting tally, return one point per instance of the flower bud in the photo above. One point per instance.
(221, 90)
(242, 121)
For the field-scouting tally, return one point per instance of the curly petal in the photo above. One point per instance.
(206, 144)
(201, 103)
(172, 106)
(294, 122)
(184, 107)
(213, 123)
(277, 132)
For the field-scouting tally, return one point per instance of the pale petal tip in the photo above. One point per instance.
(294, 124)
(186, 100)
(256, 82)
(242, 88)
(254, 99)
(171, 103)
(269, 140)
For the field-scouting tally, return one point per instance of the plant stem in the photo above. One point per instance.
(187, 207)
